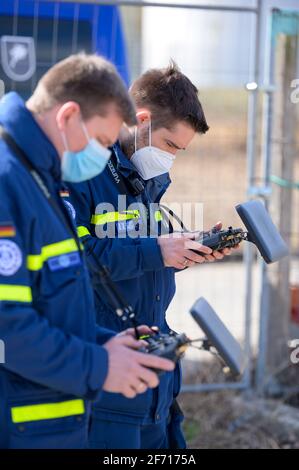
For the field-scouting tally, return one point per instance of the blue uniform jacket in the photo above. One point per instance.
(137, 267)
(54, 362)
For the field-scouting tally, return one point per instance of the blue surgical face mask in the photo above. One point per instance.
(86, 164)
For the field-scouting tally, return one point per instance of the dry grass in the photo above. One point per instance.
(212, 423)
(216, 421)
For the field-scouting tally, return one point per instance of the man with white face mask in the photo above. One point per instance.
(169, 115)
(150, 161)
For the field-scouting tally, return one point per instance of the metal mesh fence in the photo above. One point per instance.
(214, 45)
(212, 49)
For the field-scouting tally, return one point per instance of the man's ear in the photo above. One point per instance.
(67, 111)
(143, 116)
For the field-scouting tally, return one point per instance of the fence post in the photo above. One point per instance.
(275, 305)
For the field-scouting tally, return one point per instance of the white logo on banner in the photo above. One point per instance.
(18, 57)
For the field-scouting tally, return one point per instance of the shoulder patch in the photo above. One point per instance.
(10, 258)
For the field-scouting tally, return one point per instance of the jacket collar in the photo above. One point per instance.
(156, 187)
(21, 125)
(124, 164)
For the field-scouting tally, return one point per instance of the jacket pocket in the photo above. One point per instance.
(112, 404)
(53, 422)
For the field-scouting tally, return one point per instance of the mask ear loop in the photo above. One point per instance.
(64, 140)
(149, 136)
(85, 130)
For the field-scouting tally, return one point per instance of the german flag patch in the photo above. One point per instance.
(64, 193)
(7, 230)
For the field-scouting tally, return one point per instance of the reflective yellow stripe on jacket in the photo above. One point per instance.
(23, 414)
(82, 231)
(110, 217)
(35, 262)
(15, 293)
(158, 216)
(101, 219)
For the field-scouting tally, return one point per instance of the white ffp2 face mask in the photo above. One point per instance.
(151, 161)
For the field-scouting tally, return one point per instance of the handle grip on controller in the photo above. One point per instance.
(220, 239)
(170, 347)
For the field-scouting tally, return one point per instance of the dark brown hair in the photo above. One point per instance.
(171, 97)
(89, 80)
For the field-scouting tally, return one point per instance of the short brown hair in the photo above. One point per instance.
(171, 97)
(89, 80)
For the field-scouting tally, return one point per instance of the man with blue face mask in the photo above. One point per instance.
(86, 164)
(57, 360)
(169, 115)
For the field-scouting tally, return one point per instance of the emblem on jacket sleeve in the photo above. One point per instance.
(10, 258)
